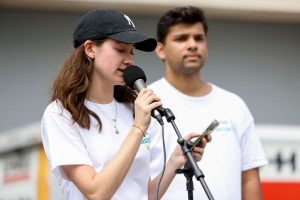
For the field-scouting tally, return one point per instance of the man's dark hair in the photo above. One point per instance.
(187, 15)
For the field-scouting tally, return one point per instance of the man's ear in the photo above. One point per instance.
(88, 49)
(160, 51)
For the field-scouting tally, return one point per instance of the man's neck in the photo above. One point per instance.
(191, 85)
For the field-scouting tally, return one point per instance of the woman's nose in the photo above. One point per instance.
(128, 60)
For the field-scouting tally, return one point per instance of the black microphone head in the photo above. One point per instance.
(133, 73)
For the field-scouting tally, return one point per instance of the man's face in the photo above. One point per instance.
(185, 49)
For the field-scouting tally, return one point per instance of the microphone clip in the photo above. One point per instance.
(158, 113)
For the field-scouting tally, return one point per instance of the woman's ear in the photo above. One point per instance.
(160, 51)
(88, 49)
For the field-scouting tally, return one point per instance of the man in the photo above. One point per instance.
(231, 161)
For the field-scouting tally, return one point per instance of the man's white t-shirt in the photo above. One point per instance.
(234, 148)
(66, 143)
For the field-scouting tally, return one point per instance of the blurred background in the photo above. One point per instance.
(254, 47)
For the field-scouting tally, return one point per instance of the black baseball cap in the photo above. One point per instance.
(100, 23)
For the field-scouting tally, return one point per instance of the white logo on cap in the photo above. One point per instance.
(129, 20)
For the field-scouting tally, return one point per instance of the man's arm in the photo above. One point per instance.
(251, 186)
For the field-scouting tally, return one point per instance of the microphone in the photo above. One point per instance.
(135, 78)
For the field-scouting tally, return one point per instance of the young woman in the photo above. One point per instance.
(96, 131)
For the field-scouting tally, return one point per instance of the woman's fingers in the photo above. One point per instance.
(148, 100)
(198, 153)
(145, 102)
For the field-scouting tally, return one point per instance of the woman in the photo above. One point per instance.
(96, 132)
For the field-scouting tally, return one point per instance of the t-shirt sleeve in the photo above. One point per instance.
(252, 151)
(62, 141)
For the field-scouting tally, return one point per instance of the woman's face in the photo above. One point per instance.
(111, 58)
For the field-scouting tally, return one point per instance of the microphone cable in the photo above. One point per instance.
(164, 162)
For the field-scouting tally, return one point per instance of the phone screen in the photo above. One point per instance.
(207, 131)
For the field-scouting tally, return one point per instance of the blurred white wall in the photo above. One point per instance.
(256, 59)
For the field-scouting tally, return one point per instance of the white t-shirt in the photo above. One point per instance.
(66, 143)
(234, 148)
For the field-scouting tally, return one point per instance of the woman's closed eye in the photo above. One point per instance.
(124, 51)
(121, 50)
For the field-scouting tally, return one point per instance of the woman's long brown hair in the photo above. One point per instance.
(72, 83)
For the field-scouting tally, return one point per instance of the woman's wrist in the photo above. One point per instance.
(139, 129)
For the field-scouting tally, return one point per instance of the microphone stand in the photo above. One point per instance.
(190, 168)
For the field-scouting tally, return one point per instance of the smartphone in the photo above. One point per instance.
(207, 131)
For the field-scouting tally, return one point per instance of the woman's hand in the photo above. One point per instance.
(145, 102)
(179, 159)
(176, 161)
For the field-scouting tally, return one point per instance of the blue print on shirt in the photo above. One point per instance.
(225, 126)
(146, 139)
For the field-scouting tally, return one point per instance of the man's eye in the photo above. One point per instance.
(200, 38)
(180, 39)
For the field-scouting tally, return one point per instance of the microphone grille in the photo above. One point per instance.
(133, 73)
